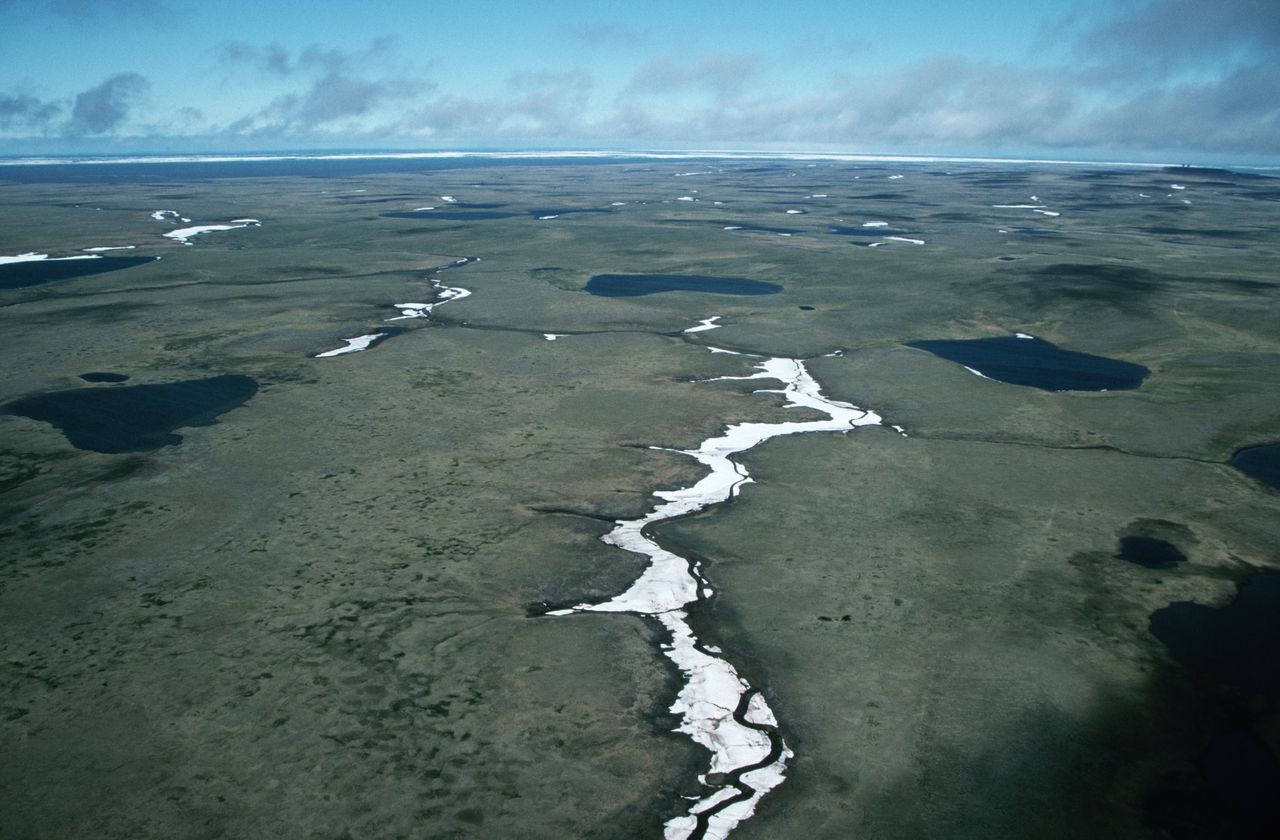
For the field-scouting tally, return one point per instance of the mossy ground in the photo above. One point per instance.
(312, 618)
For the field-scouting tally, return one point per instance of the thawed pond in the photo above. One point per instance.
(1024, 360)
(635, 285)
(1261, 463)
(135, 418)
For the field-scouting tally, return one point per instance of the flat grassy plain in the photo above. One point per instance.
(320, 617)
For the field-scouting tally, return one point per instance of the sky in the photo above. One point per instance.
(1183, 81)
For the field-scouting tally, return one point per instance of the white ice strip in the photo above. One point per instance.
(448, 199)
(32, 256)
(421, 209)
(713, 689)
(169, 215)
(353, 345)
(706, 324)
(1046, 212)
(617, 204)
(553, 336)
(110, 248)
(184, 235)
(552, 216)
(444, 294)
(818, 195)
(1176, 187)
(686, 198)
(896, 177)
(977, 372)
(906, 239)
(1018, 206)
(1022, 335)
(794, 212)
(875, 224)
(733, 227)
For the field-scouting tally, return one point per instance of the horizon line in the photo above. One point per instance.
(535, 154)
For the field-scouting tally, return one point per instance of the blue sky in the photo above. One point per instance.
(1177, 80)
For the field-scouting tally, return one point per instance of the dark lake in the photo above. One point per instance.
(1037, 364)
(1150, 552)
(1232, 791)
(135, 418)
(103, 376)
(1261, 463)
(1236, 645)
(20, 275)
(634, 285)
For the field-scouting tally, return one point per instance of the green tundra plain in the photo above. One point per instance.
(321, 617)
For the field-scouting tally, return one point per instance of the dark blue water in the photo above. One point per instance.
(38, 272)
(103, 376)
(451, 215)
(1237, 645)
(135, 418)
(1261, 463)
(1038, 364)
(634, 285)
(1150, 552)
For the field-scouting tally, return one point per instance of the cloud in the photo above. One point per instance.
(101, 109)
(1237, 114)
(532, 106)
(20, 111)
(1188, 28)
(86, 11)
(723, 74)
(607, 35)
(338, 87)
(273, 59)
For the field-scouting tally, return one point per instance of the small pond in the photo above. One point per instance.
(1037, 363)
(20, 275)
(634, 285)
(135, 418)
(1261, 463)
(1236, 645)
(1150, 553)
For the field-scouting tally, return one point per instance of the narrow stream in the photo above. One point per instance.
(443, 294)
(718, 708)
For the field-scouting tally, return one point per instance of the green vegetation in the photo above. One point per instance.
(317, 617)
